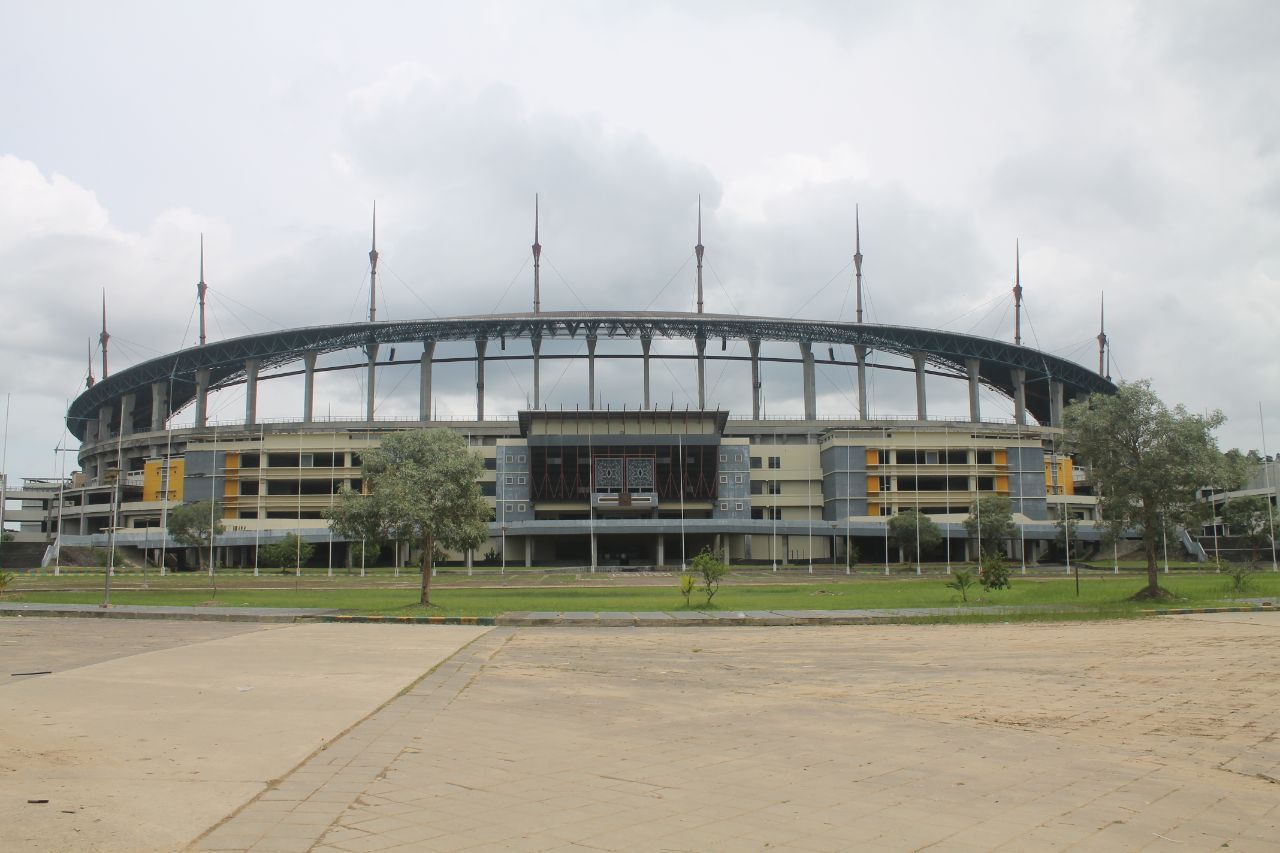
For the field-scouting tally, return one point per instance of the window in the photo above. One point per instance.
(757, 487)
(724, 505)
(775, 487)
(985, 457)
(775, 461)
(737, 478)
(520, 458)
(491, 463)
(884, 457)
(510, 480)
(488, 489)
(521, 481)
(886, 484)
(723, 459)
(756, 462)
(520, 508)
(308, 461)
(724, 479)
(757, 513)
(738, 506)
(510, 458)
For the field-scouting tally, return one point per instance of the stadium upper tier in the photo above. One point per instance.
(148, 393)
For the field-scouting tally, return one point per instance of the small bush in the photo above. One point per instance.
(286, 553)
(994, 573)
(6, 578)
(960, 582)
(712, 569)
(687, 584)
(1241, 576)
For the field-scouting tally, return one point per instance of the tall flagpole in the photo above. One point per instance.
(1266, 479)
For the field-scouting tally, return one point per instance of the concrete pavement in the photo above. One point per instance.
(1153, 734)
(147, 749)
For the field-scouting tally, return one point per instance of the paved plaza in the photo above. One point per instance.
(1155, 734)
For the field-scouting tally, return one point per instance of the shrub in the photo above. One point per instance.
(712, 569)
(1241, 576)
(994, 573)
(960, 582)
(687, 583)
(286, 553)
(6, 578)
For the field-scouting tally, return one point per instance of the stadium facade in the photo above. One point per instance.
(636, 485)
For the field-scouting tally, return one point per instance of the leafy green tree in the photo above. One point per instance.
(1146, 460)
(990, 521)
(1066, 535)
(903, 530)
(1248, 518)
(711, 569)
(194, 525)
(289, 551)
(422, 489)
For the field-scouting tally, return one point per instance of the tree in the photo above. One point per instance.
(906, 528)
(712, 569)
(1248, 518)
(1067, 534)
(194, 524)
(990, 521)
(289, 551)
(422, 489)
(1147, 461)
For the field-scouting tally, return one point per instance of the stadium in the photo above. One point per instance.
(637, 484)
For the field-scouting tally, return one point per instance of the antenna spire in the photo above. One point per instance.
(201, 290)
(373, 269)
(857, 258)
(1017, 293)
(698, 250)
(537, 261)
(88, 348)
(103, 337)
(1104, 366)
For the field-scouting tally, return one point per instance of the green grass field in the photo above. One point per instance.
(1101, 595)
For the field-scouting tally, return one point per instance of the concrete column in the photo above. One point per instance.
(90, 431)
(127, 405)
(700, 340)
(594, 562)
(591, 371)
(424, 380)
(645, 343)
(661, 552)
(481, 345)
(104, 423)
(202, 397)
(537, 369)
(972, 365)
(251, 392)
(810, 385)
(1055, 402)
(371, 382)
(864, 409)
(1019, 394)
(922, 405)
(308, 387)
(528, 551)
(159, 406)
(754, 344)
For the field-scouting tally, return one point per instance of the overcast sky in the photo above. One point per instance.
(1132, 148)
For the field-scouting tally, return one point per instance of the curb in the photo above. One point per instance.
(1187, 611)
(409, 620)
